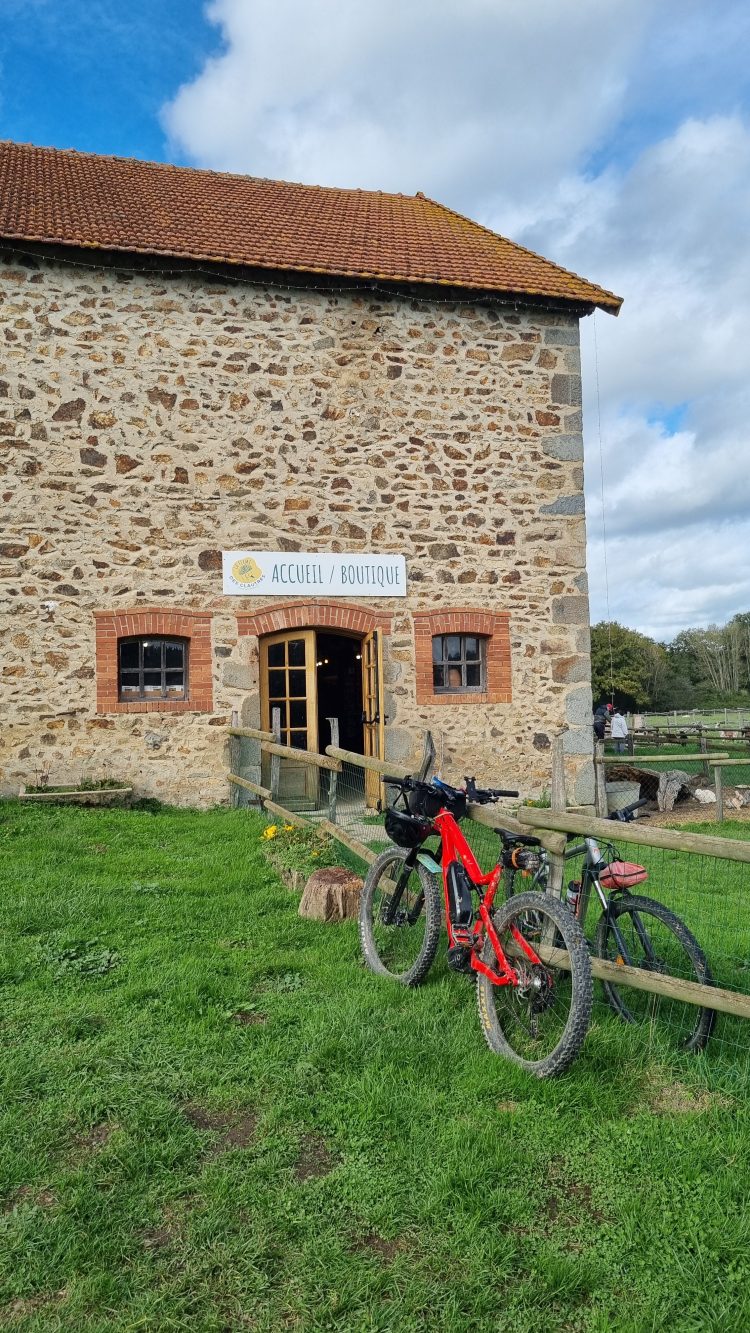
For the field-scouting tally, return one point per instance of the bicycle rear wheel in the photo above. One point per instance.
(399, 918)
(540, 1023)
(645, 934)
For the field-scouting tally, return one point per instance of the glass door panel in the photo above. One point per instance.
(288, 684)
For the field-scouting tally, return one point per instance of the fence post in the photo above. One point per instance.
(703, 747)
(333, 776)
(719, 791)
(275, 758)
(234, 760)
(601, 781)
(558, 805)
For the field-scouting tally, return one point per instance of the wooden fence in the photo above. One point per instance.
(552, 826)
(718, 761)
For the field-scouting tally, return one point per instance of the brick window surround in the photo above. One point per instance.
(195, 626)
(493, 626)
(314, 615)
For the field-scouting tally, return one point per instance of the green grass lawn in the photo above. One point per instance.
(213, 1118)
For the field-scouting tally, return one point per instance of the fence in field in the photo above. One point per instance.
(717, 768)
(704, 880)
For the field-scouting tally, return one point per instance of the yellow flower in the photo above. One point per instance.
(289, 828)
(271, 831)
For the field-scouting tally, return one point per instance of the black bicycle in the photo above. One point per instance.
(633, 931)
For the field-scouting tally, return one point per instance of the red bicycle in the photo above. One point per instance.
(534, 982)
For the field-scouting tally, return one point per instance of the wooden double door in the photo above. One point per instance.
(309, 676)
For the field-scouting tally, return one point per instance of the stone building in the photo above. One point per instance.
(194, 364)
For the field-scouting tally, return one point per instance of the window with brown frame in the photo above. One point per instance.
(152, 668)
(459, 663)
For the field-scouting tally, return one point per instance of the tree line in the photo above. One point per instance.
(700, 668)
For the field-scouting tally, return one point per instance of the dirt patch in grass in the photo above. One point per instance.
(663, 1095)
(372, 1243)
(509, 1107)
(29, 1194)
(314, 1158)
(234, 1129)
(94, 1139)
(23, 1307)
(250, 1018)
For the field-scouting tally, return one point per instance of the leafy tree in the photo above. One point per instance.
(627, 667)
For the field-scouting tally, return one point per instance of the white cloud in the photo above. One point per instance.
(413, 96)
(605, 136)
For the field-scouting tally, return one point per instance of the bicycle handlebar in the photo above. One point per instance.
(478, 795)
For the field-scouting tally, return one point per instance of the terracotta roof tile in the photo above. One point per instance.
(113, 203)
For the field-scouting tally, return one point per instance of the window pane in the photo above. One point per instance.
(299, 740)
(455, 678)
(175, 692)
(129, 689)
(473, 675)
(174, 655)
(296, 652)
(152, 680)
(276, 684)
(297, 685)
(276, 655)
(173, 677)
(438, 677)
(298, 713)
(130, 676)
(453, 645)
(152, 652)
(437, 648)
(472, 648)
(129, 653)
(282, 713)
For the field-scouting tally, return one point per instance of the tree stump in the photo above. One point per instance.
(331, 894)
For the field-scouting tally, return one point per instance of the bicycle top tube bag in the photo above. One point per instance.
(622, 875)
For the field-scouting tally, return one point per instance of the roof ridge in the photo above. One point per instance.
(204, 171)
(534, 254)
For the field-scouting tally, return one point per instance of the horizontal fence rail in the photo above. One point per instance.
(684, 868)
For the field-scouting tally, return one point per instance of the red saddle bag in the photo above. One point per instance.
(622, 875)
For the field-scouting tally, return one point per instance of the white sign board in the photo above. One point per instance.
(304, 574)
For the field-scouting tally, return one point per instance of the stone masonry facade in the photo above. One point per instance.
(147, 423)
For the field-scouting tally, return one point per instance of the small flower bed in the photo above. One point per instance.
(296, 852)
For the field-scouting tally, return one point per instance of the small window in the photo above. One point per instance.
(458, 663)
(151, 669)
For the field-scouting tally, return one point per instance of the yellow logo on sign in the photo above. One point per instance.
(246, 570)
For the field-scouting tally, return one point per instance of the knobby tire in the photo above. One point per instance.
(374, 937)
(687, 949)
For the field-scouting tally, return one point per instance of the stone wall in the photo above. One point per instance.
(147, 423)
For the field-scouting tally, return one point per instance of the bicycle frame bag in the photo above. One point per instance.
(622, 875)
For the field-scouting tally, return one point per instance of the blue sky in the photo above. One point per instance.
(610, 135)
(94, 74)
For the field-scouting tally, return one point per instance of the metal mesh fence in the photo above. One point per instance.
(709, 895)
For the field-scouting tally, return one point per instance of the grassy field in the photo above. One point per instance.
(214, 1118)
(718, 717)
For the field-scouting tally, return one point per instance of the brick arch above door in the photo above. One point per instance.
(317, 614)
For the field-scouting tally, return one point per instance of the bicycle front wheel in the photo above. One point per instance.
(541, 1022)
(643, 933)
(399, 918)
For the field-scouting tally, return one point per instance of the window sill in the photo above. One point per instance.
(156, 706)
